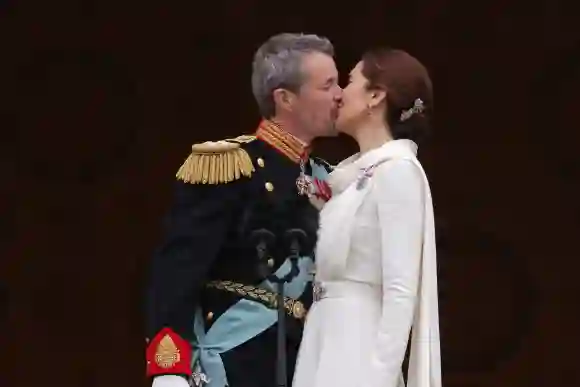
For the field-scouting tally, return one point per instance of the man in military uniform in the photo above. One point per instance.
(211, 311)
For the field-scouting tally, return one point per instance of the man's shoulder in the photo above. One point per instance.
(218, 162)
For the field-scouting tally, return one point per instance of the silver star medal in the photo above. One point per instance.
(198, 378)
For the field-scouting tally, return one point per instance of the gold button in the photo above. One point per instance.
(270, 262)
(209, 316)
(260, 162)
(269, 186)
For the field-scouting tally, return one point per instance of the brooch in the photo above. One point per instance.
(364, 177)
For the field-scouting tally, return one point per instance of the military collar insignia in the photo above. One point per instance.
(282, 141)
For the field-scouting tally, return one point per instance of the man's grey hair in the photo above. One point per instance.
(277, 64)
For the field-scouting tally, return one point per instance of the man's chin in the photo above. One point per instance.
(333, 130)
(333, 133)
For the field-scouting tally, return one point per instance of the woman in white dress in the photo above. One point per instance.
(376, 278)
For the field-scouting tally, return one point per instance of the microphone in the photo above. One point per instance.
(296, 242)
(264, 240)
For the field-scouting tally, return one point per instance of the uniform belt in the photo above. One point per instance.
(240, 323)
(293, 307)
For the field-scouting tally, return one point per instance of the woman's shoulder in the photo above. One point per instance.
(393, 165)
(391, 171)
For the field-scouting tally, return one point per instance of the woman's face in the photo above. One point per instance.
(355, 102)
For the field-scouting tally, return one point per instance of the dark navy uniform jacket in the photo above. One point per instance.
(225, 191)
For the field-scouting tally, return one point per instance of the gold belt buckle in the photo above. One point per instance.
(318, 291)
(297, 310)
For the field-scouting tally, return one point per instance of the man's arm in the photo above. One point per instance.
(196, 228)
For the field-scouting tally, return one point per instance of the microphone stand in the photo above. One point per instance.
(295, 239)
(294, 242)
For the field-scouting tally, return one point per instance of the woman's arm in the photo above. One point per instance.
(399, 194)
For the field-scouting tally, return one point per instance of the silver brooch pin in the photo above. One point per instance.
(363, 178)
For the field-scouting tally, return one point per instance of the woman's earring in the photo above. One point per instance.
(369, 111)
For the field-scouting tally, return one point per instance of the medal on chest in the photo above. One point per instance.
(304, 183)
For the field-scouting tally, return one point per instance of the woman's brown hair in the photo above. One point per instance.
(407, 84)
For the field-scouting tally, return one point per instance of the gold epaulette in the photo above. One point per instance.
(217, 162)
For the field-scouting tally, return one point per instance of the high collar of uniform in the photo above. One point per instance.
(284, 142)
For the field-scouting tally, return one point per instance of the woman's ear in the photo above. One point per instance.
(377, 97)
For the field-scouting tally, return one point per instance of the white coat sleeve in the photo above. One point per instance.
(170, 381)
(399, 193)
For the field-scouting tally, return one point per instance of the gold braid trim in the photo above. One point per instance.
(284, 142)
(217, 162)
(293, 307)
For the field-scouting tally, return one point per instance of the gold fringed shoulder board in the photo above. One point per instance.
(217, 162)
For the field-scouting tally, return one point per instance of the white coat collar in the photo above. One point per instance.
(348, 170)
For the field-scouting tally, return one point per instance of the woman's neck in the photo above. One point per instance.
(372, 136)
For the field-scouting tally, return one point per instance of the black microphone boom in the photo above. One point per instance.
(295, 240)
(296, 244)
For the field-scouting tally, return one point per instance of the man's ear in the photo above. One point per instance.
(377, 97)
(284, 99)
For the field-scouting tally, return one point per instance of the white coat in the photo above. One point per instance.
(376, 266)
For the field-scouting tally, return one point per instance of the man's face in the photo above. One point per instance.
(317, 102)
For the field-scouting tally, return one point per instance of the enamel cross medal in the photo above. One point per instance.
(198, 378)
(304, 182)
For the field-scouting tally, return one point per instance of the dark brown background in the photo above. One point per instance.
(101, 101)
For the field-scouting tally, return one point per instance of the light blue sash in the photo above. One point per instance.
(240, 323)
(318, 171)
(245, 319)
